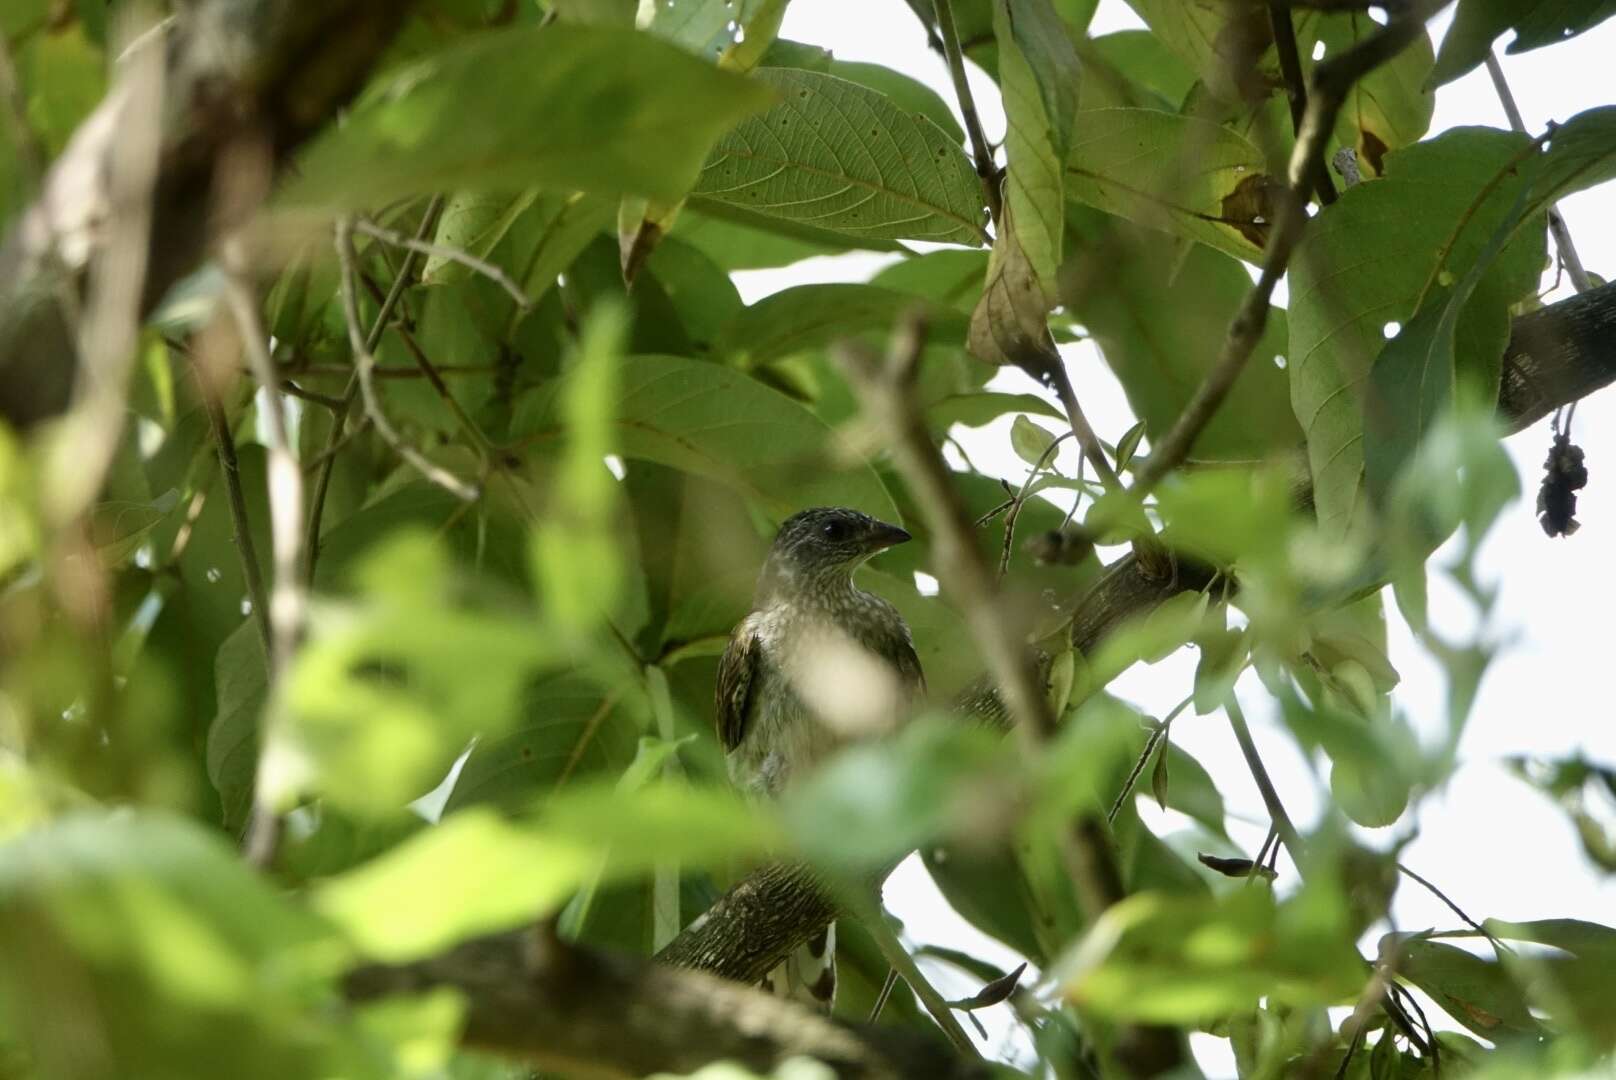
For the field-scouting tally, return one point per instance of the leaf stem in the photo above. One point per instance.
(986, 167)
(322, 482)
(1557, 226)
(1276, 809)
(365, 363)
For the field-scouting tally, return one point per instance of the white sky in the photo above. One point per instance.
(1492, 844)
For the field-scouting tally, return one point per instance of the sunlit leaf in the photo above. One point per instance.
(567, 107)
(715, 421)
(841, 157)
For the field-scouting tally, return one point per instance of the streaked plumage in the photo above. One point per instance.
(818, 662)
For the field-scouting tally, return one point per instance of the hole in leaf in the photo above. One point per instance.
(1319, 50)
(1391, 329)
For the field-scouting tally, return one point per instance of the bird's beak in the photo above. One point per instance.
(883, 536)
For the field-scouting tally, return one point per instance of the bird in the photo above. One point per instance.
(817, 664)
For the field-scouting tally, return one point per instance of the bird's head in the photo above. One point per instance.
(822, 547)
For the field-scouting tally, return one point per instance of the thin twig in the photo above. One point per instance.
(1020, 500)
(1276, 809)
(1557, 226)
(986, 167)
(1156, 736)
(286, 594)
(1290, 66)
(1331, 82)
(444, 251)
(875, 922)
(1498, 946)
(365, 363)
(335, 404)
(322, 482)
(887, 985)
(430, 371)
(1093, 449)
(230, 467)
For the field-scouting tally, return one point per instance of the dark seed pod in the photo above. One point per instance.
(1564, 475)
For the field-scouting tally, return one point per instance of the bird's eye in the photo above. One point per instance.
(834, 531)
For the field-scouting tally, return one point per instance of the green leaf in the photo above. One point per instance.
(1177, 174)
(878, 800)
(841, 157)
(378, 704)
(1029, 441)
(1478, 993)
(472, 222)
(1158, 313)
(575, 551)
(141, 945)
(1183, 960)
(1387, 109)
(1478, 23)
(812, 316)
(975, 410)
(1372, 796)
(432, 891)
(241, 681)
(716, 29)
(949, 278)
(599, 96)
(1581, 154)
(1589, 940)
(1133, 69)
(908, 94)
(1393, 232)
(715, 421)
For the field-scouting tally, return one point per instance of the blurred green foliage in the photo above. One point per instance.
(499, 711)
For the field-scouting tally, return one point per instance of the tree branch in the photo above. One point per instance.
(886, 390)
(578, 1011)
(279, 68)
(1562, 235)
(1332, 81)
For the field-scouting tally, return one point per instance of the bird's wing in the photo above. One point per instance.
(734, 692)
(908, 662)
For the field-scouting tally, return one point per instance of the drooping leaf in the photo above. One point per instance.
(1038, 72)
(717, 422)
(841, 157)
(599, 97)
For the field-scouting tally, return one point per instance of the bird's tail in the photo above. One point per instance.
(808, 976)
